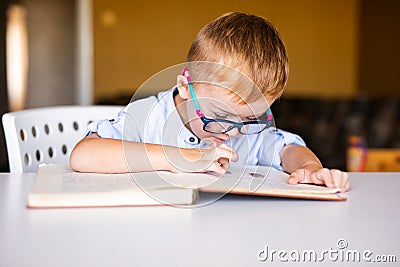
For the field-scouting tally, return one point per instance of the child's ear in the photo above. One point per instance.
(182, 85)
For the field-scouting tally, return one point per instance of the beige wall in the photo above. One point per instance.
(51, 49)
(133, 40)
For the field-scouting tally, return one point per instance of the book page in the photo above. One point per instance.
(69, 182)
(243, 179)
(61, 178)
(263, 180)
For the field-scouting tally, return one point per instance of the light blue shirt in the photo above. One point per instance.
(156, 120)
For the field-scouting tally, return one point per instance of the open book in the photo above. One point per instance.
(59, 186)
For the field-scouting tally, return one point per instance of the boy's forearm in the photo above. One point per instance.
(295, 157)
(105, 155)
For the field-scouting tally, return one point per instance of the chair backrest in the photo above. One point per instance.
(48, 134)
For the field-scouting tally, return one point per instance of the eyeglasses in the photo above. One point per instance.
(219, 126)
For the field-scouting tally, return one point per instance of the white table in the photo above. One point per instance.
(229, 232)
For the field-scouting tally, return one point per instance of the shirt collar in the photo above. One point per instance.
(185, 136)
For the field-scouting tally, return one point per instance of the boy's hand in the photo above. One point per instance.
(330, 177)
(214, 158)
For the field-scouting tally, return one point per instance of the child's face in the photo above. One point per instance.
(216, 102)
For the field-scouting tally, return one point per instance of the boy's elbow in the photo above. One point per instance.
(75, 159)
(79, 158)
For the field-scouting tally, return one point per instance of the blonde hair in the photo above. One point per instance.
(242, 52)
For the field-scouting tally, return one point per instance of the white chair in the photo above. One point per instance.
(48, 134)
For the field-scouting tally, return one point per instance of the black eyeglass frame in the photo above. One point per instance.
(234, 124)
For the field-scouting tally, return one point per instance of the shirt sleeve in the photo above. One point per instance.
(128, 125)
(108, 128)
(273, 143)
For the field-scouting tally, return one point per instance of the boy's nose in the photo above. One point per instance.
(233, 132)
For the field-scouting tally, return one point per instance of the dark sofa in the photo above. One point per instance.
(326, 124)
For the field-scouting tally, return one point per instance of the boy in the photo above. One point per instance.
(218, 113)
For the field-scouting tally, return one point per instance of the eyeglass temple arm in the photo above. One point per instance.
(269, 114)
(185, 73)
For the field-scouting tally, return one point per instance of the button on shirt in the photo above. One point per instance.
(156, 120)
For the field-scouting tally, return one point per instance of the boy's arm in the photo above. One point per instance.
(105, 155)
(305, 167)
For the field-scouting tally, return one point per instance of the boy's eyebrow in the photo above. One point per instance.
(223, 110)
(220, 109)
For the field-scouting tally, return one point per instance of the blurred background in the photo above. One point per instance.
(344, 60)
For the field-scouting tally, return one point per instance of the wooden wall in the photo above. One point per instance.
(380, 50)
